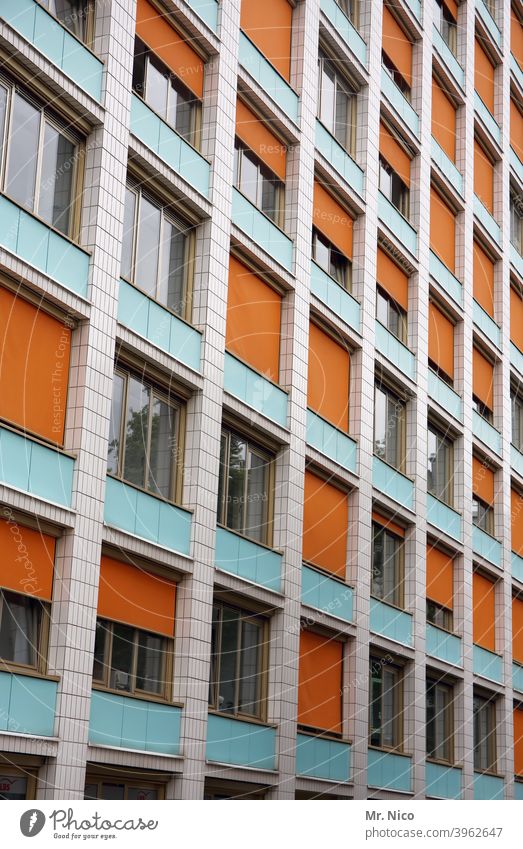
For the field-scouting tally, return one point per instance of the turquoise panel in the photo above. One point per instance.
(442, 393)
(56, 43)
(389, 771)
(33, 240)
(516, 259)
(491, 226)
(415, 8)
(484, 431)
(516, 357)
(397, 224)
(147, 516)
(324, 593)
(397, 353)
(392, 483)
(516, 70)
(248, 560)
(390, 622)
(399, 102)
(15, 459)
(448, 57)
(122, 721)
(67, 263)
(268, 78)
(261, 230)
(443, 645)
(445, 278)
(320, 758)
(27, 704)
(487, 664)
(518, 790)
(488, 121)
(486, 546)
(516, 164)
(159, 325)
(232, 741)
(488, 786)
(334, 443)
(338, 157)
(9, 219)
(254, 389)
(486, 323)
(324, 287)
(443, 517)
(345, 29)
(147, 126)
(35, 468)
(442, 782)
(133, 308)
(207, 11)
(446, 166)
(489, 22)
(517, 567)
(517, 677)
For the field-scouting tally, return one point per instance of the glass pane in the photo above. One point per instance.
(249, 176)
(222, 479)
(99, 651)
(73, 15)
(172, 275)
(13, 787)
(378, 557)
(380, 423)
(163, 447)
(3, 109)
(150, 663)
(438, 467)
(327, 94)
(56, 179)
(236, 483)
(375, 703)
(394, 432)
(128, 234)
(139, 62)
(257, 498)
(391, 577)
(142, 793)
(180, 110)
(113, 450)
(23, 152)
(146, 265)
(430, 718)
(382, 309)
(136, 426)
(385, 180)
(156, 87)
(215, 650)
(122, 658)
(338, 267)
(91, 791)
(19, 629)
(442, 723)
(250, 663)
(228, 661)
(113, 791)
(321, 253)
(341, 129)
(389, 708)
(269, 201)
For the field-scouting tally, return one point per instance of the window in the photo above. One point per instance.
(165, 93)
(517, 420)
(516, 216)
(98, 788)
(238, 646)
(326, 255)
(244, 490)
(483, 515)
(387, 566)
(73, 14)
(16, 783)
(337, 103)
(440, 466)
(41, 160)
(143, 435)
(481, 408)
(258, 183)
(129, 660)
(156, 252)
(385, 719)
(393, 187)
(484, 712)
(391, 315)
(446, 25)
(389, 427)
(396, 76)
(439, 616)
(21, 629)
(439, 707)
(349, 7)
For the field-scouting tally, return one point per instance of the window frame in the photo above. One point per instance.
(340, 83)
(489, 705)
(401, 446)
(515, 216)
(346, 283)
(446, 26)
(240, 149)
(99, 780)
(88, 13)
(446, 612)
(404, 207)
(448, 495)
(516, 404)
(449, 720)
(488, 511)
(396, 76)
(398, 567)
(42, 628)
(10, 770)
(394, 307)
(398, 723)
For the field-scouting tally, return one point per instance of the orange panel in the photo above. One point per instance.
(443, 120)
(516, 319)
(441, 340)
(253, 132)
(27, 560)
(392, 279)
(253, 320)
(332, 220)
(440, 577)
(516, 38)
(269, 26)
(386, 523)
(483, 177)
(482, 481)
(517, 521)
(394, 154)
(482, 378)
(516, 129)
(158, 34)
(452, 7)
(442, 230)
(129, 594)
(518, 741)
(328, 380)
(397, 46)
(517, 629)
(34, 367)
(320, 682)
(483, 279)
(325, 525)
(484, 76)
(484, 612)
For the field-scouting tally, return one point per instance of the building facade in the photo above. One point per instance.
(261, 424)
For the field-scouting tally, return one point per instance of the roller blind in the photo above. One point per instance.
(129, 594)
(484, 612)
(518, 741)
(328, 380)
(516, 319)
(441, 341)
(516, 521)
(440, 577)
(388, 524)
(516, 38)
(397, 45)
(484, 76)
(482, 481)
(516, 129)
(483, 177)
(259, 139)
(443, 120)
(392, 279)
(332, 220)
(483, 279)
(442, 230)
(394, 154)
(325, 525)
(27, 561)
(269, 25)
(482, 379)
(517, 629)
(320, 682)
(452, 8)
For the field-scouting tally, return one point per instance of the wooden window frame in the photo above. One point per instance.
(489, 704)
(401, 427)
(398, 697)
(331, 247)
(393, 306)
(43, 626)
(449, 722)
(488, 510)
(239, 150)
(340, 82)
(399, 567)
(404, 207)
(516, 403)
(447, 613)
(449, 465)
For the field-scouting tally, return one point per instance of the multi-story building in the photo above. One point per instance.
(261, 416)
